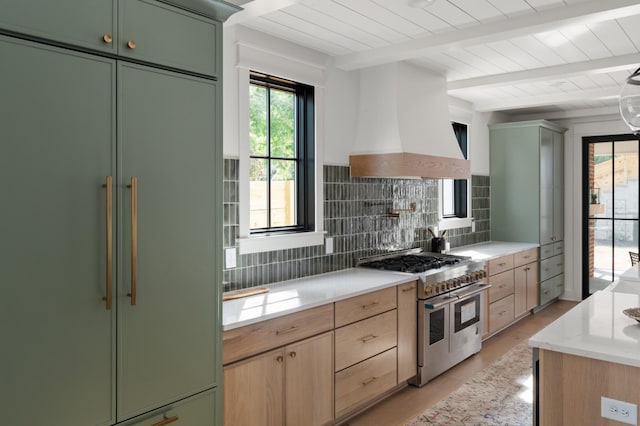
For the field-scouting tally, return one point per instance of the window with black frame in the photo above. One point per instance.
(281, 171)
(454, 191)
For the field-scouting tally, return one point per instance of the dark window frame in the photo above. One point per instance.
(305, 153)
(460, 186)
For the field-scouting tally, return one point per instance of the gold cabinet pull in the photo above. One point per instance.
(131, 44)
(279, 358)
(292, 355)
(369, 380)
(404, 290)
(287, 330)
(370, 305)
(365, 339)
(109, 296)
(134, 239)
(166, 421)
(107, 38)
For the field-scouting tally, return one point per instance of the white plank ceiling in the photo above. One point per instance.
(516, 56)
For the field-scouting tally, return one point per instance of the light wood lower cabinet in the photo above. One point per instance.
(527, 288)
(407, 331)
(292, 385)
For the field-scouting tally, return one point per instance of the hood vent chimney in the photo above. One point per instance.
(404, 127)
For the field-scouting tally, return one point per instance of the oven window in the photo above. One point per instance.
(436, 326)
(467, 312)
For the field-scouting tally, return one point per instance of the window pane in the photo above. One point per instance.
(283, 193)
(625, 180)
(448, 208)
(258, 206)
(282, 124)
(258, 120)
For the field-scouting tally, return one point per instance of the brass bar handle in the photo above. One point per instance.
(285, 331)
(404, 290)
(134, 240)
(109, 296)
(369, 380)
(166, 421)
(370, 305)
(365, 339)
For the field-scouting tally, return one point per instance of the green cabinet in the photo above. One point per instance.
(527, 192)
(147, 31)
(110, 247)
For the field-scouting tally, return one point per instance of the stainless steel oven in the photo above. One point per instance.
(449, 330)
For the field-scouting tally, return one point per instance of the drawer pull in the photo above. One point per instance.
(369, 380)
(279, 358)
(131, 44)
(287, 330)
(107, 38)
(502, 313)
(502, 286)
(370, 305)
(292, 355)
(404, 290)
(502, 263)
(365, 339)
(526, 257)
(166, 421)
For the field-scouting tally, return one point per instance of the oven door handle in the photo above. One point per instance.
(473, 292)
(438, 305)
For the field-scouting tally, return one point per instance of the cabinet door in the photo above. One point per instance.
(169, 36)
(168, 340)
(58, 145)
(407, 331)
(546, 185)
(558, 186)
(199, 410)
(533, 286)
(309, 381)
(254, 391)
(75, 22)
(520, 300)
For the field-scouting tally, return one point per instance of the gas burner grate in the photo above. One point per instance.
(411, 263)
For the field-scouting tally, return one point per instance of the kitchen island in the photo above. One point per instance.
(592, 351)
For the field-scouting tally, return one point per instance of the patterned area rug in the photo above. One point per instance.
(501, 394)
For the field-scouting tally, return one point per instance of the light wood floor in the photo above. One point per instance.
(406, 404)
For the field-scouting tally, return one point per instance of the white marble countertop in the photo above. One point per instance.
(488, 250)
(596, 328)
(292, 296)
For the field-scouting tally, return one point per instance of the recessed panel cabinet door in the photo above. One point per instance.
(57, 115)
(75, 22)
(167, 339)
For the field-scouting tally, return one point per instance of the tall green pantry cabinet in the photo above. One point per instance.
(110, 214)
(527, 194)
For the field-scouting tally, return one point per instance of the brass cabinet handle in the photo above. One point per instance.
(107, 38)
(365, 339)
(370, 305)
(279, 358)
(131, 44)
(404, 290)
(134, 239)
(292, 355)
(166, 421)
(109, 297)
(287, 330)
(369, 380)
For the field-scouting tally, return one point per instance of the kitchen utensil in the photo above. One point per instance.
(437, 244)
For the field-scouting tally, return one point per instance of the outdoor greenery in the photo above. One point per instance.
(272, 139)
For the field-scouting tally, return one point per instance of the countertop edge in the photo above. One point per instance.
(585, 353)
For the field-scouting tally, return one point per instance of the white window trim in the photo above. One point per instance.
(250, 58)
(458, 222)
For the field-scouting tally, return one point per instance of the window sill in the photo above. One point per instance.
(454, 223)
(262, 243)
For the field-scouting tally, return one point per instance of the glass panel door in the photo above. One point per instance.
(610, 206)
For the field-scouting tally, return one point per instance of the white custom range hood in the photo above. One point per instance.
(404, 127)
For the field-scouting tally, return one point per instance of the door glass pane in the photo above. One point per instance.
(258, 181)
(258, 120)
(601, 253)
(601, 180)
(282, 124)
(625, 180)
(283, 193)
(625, 240)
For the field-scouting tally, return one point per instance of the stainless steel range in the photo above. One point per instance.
(450, 302)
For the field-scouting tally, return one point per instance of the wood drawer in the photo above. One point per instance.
(501, 285)
(500, 264)
(365, 306)
(252, 339)
(527, 256)
(198, 410)
(366, 338)
(364, 381)
(546, 251)
(501, 313)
